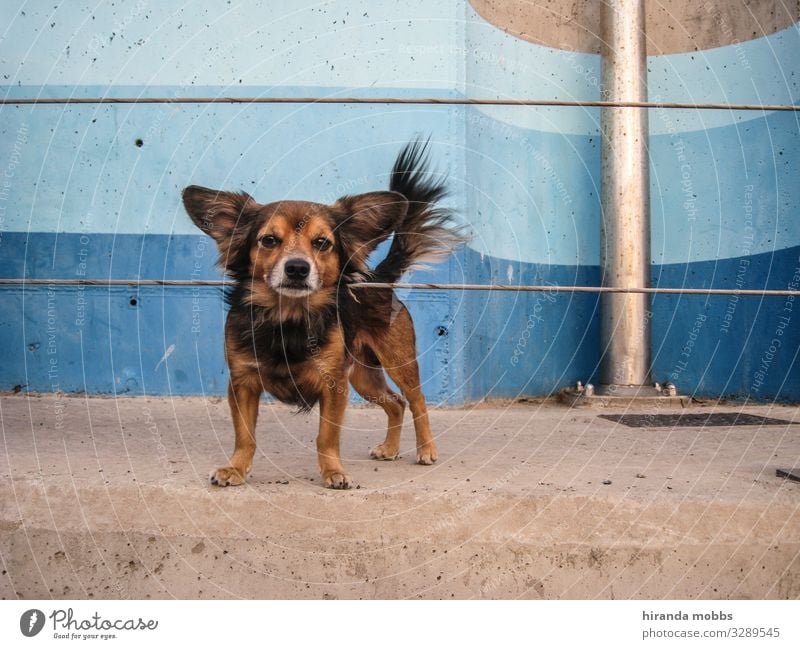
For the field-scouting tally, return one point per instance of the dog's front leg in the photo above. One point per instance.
(243, 399)
(332, 404)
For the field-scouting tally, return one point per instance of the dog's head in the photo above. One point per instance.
(294, 250)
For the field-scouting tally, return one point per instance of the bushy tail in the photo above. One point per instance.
(427, 234)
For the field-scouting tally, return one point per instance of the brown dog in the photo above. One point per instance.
(299, 331)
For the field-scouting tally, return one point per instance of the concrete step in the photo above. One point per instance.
(109, 498)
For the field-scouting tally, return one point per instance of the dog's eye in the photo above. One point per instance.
(321, 244)
(269, 241)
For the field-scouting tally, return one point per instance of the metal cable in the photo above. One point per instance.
(426, 286)
(44, 101)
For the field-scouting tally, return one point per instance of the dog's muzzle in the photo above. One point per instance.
(296, 277)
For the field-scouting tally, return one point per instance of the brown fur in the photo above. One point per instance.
(296, 330)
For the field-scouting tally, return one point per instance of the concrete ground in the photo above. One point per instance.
(109, 498)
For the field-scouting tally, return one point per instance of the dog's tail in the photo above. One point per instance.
(427, 234)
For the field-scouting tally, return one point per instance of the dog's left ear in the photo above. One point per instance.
(366, 220)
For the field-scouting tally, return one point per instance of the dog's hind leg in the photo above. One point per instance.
(397, 352)
(243, 399)
(369, 381)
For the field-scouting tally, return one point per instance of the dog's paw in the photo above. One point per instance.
(383, 452)
(335, 480)
(227, 476)
(427, 454)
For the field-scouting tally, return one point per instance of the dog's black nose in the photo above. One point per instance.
(297, 269)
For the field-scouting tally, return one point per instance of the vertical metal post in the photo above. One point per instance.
(625, 234)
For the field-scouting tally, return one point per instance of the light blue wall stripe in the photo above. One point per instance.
(79, 167)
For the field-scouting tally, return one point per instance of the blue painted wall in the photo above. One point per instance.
(93, 191)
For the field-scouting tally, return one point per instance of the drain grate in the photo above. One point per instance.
(788, 474)
(695, 420)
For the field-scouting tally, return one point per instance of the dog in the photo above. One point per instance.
(297, 329)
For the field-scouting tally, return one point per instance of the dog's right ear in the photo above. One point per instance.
(218, 214)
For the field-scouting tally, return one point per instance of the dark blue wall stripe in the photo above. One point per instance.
(149, 340)
(471, 345)
(711, 347)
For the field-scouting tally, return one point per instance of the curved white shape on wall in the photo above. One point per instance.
(503, 66)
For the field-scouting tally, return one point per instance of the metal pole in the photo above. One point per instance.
(625, 233)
